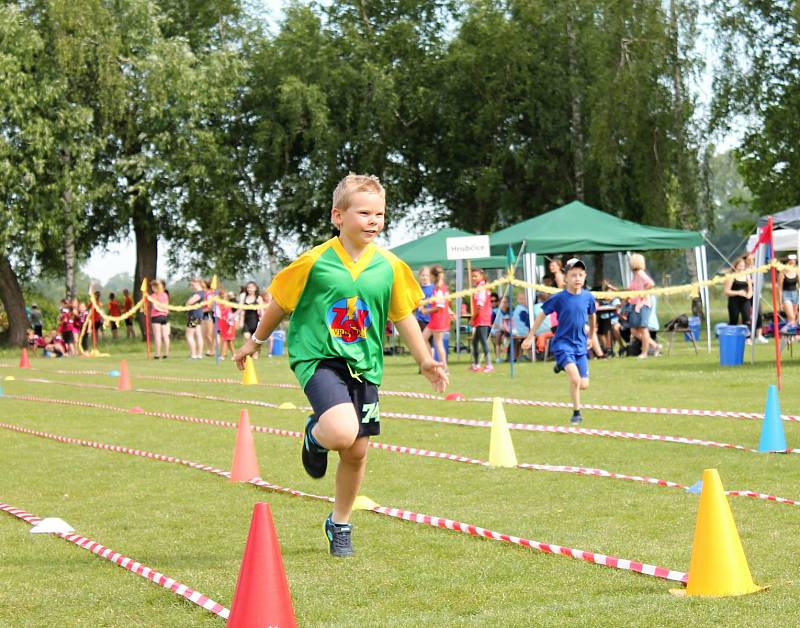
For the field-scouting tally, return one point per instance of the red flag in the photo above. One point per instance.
(765, 237)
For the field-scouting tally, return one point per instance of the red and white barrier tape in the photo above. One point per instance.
(508, 400)
(406, 515)
(587, 471)
(530, 427)
(128, 564)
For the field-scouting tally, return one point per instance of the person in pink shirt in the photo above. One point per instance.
(440, 312)
(481, 322)
(159, 318)
(640, 313)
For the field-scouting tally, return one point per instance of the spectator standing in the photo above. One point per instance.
(423, 312)
(227, 326)
(739, 291)
(127, 306)
(36, 319)
(207, 323)
(481, 322)
(639, 314)
(787, 290)
(194, 319)
(250, 317)
(750, 263)
(114, 309)
(556, 273)
(159, 318)
(440, 312)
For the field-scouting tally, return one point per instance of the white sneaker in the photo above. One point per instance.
(761, 340)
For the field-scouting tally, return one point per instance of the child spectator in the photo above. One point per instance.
(339, 295)
(481, 322)
(97, 317)
(575, 306)
(440, 312)
(194, 319)
(114, 309)
(159, 318)
(227, 326)
(609, 329)
(520, 323)
(501, 329)
(127, 306)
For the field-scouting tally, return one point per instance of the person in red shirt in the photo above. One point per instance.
(481, 322)
(127, 305)
(97, 317)
(440, 312)
(114, 309)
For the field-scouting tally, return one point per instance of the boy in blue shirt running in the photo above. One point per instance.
(575, 307)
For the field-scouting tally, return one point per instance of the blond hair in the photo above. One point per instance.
(637, 261)
(352, 184)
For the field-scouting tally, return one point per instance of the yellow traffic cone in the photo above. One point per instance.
(718, 567)
(249, 378)
(501, 448)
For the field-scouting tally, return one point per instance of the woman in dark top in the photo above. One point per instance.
(787, 290)
(739, 290)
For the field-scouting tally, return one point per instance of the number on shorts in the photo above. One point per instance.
(370, 412)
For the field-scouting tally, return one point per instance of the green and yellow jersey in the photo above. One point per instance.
(339, 307)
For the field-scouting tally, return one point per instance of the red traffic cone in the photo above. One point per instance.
(245, 464)
(262, 595)
(24, 361)
(124, 376)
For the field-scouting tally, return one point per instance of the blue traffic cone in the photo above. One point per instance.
(772, 436)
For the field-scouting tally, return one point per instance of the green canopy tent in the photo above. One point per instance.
(432, 249)
(576, 227)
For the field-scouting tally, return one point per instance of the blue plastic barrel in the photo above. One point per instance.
(731, 344)
(278, 340)
(694, 325)
(446, 341)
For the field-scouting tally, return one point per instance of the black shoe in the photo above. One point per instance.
(576, 419)
(339, 537)
(557, 369)
(315, 458)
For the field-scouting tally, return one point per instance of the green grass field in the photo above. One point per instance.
(192, 525)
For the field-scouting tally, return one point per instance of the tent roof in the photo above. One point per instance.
(787, 218)
(576, 227)
(432, 249)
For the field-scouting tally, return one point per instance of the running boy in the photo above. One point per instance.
(574, 307)
(339, 295)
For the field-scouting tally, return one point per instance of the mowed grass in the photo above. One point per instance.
(192, 525)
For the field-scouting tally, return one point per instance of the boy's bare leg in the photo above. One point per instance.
(349, 476)
(576, 384)
(337, 430)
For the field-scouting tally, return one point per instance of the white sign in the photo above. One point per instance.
(469, 247)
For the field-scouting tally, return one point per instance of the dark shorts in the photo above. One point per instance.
(604, 325)
(193, 321)
(68, 336)
(159, 320)
(563, 358)
(113, 326)
(98, 325)
(332, 385)
(129, 321)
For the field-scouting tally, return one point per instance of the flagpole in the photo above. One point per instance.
(775, 327)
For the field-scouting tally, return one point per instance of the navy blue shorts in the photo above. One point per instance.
(581, 361)
(331, 384)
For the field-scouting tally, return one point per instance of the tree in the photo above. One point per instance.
(757, 84)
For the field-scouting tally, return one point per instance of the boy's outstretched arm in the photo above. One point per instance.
(271, 316)
(412, 336)
(528, 342)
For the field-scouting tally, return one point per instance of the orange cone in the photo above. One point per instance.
(124, 376)
(245, 464)
(262, 595)
(24, 361)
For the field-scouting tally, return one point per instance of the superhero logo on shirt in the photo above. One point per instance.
(348, 320)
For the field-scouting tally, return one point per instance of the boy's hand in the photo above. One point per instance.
(435, 373)
(248, 349)
(527, 343)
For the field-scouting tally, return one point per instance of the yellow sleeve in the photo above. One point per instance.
(406, 293)
(288, 285)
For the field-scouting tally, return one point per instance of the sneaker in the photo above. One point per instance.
(576, 418)
(557, 369)
(339, 537)
(761, 340)
(475, 368)
(488, 368)
(315, 458)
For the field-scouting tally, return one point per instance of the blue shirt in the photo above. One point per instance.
(573, 313)
(428, 292)
(520, 321)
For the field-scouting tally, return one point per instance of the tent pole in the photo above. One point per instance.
(459, 288)
(706, 296)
